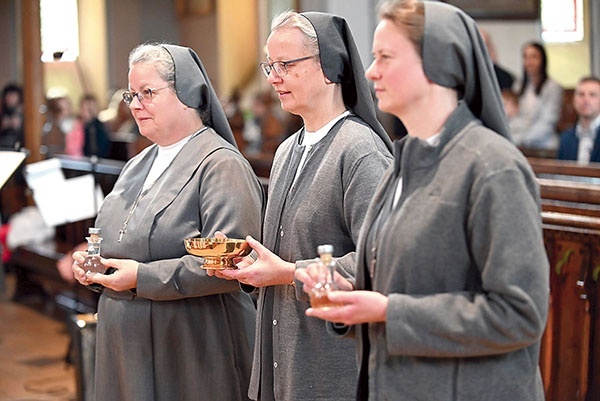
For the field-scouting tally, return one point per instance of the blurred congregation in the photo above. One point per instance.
(76, 107)
(73, 110)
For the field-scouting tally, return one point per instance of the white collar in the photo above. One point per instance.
(593, 128)
(310, 138)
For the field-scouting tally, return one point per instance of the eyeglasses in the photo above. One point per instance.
(280, 67)
(144, 96)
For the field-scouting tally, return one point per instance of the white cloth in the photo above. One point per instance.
(163, 159)
(586, 140)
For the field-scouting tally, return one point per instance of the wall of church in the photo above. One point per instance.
(230, 55)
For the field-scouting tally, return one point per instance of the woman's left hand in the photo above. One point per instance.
(357, 307)
(309, 277)
(124, 278)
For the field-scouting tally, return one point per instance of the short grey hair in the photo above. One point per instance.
(158, 56)
(290, 20)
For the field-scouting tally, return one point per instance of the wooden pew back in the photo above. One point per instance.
(570, 355)
(567, 187)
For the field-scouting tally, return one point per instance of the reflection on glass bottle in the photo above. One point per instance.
(92, 262)
(325, 269)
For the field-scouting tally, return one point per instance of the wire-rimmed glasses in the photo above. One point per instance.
(280, 67)
(144, 96)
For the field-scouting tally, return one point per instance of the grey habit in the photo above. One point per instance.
(461, 255)
(295, 358)
(180, 335)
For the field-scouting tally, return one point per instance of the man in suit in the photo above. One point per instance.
(582, 142)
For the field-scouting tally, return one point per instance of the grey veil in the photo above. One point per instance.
(455, 56)
(341, 63)
(194, 89)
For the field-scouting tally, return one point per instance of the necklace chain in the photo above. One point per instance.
(123, 229)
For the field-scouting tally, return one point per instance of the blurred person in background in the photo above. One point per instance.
(540, 102)
(61, 134)
(96, 136)
(582, 142)
(11, 117)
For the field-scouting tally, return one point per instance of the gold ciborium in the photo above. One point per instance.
(218, 253)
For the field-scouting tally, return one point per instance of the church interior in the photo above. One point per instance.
(47, 321)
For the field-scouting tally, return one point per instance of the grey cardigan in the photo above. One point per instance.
(462, 260)
(326, 205)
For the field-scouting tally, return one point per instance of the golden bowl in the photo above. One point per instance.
(218, 253)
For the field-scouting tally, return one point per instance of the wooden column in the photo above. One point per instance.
(33, 77)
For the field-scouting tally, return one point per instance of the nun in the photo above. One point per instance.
(321, 182)
(166, 330)
(452, 279)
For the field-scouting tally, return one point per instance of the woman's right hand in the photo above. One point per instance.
(78, 272)
(268, 268)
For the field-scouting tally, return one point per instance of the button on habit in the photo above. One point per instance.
(275, 364)
(274, 322)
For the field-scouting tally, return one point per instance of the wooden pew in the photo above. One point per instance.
(565, 169)
(570, 355)
(575, 198)
(565, 186)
